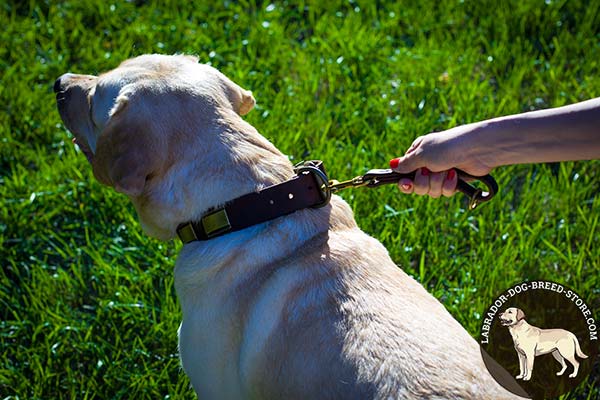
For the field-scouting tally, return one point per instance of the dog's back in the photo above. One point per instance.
(323, 313)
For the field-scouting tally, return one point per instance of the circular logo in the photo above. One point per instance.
(539, 339)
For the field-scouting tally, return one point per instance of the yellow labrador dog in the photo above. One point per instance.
(305, 306)
(531, 341)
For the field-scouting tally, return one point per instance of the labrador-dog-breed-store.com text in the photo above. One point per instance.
(303, 306)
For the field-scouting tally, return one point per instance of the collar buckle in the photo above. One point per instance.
(187, 233)
(213, 224)
(317, 170)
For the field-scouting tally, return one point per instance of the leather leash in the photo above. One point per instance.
(310, 188)
(378, 177)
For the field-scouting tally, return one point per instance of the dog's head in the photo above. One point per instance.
(166, 131)
(511, 316)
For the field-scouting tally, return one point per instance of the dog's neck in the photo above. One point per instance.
(230, 159)
(256, 162)
(520, 326)
(250, 163)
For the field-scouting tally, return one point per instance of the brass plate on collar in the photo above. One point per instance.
(216, 223)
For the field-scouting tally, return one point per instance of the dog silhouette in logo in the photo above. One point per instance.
(531, 341)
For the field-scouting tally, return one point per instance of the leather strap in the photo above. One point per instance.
(302, 191)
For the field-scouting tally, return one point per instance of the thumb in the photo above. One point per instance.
(407, 163)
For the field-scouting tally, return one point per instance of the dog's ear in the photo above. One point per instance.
(248, 102)
(241, 100)
(127, 150)
(191, 58)
(520, 314)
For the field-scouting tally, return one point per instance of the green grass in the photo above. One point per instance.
(87, 305)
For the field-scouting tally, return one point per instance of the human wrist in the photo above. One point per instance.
(477, 140)
(499, 141)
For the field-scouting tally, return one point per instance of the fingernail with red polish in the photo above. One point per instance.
(424, 171)
(394, 163)
(451, 174)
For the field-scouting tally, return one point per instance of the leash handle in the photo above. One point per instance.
(378, 177)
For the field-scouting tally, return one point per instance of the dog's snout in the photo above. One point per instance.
(68, 80)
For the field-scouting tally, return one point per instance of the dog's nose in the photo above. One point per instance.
(58, 84)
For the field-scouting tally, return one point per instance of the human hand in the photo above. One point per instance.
(434, 156)
(434, 184)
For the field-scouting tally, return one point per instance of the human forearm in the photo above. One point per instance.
(559, 134)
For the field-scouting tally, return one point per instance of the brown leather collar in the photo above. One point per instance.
(304, 190)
